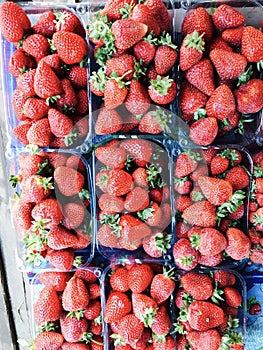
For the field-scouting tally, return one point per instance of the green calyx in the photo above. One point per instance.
(139, 69)
(258, 171)
(99, 27)
(44, 182)
(14, 180)
(71, 137)
(153, 176)
(200, 113)
(47, 326)
(78, 314)
(148, 316)
(84, 194)
(98, 79)
(162, 242)
(245, 76)
(145, 213)
(244, 118)
(162, 117)
(186, 261)
(166, 39)
(260, 65)
(195, 240)
(230, 154)
(126, 11)
(78, 261)
(180, 180)
(217, 295)
(195, 156)
(257, 220)
(52, 99)
(118, 340)
(87, 337)
(197, 196)
(113, 222)
(195, 41)
(121, 83)
(231, 205)
(161, 84)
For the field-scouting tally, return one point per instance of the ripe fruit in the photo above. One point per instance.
(71, 47)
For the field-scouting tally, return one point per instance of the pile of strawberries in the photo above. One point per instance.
(220, 59)
(134, 57)
(50, 100)
(256, 211)
(138, 306)
(208, 305)
(51, 208)
(132, 187)
(68, 310)
(211, 186)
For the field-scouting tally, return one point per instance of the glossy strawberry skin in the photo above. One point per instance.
(71, 47)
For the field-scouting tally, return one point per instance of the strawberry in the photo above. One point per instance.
(143, 14)
(161, 322)
(145, 49)
(204, 131)
(54, 62)
(186, 163)
(25, 82)
(201, 75)
(217, 191)
(140, 277)
(227, 16)
(35, 188)
(219, 43)
(252, 44)
(119, 280)
(70, 47)
(82, 108)
(210, 339)
(69, 181)
(61, 259)
(60, 124)
(22, 215)
(35, 108)
(233, 36)
(77, 75)
(18, 101)
(57, 280)
(45, 24)
(36, 45)
(93, 310)
(14, 22)
(20, 62)
(238, 244)
(144, 308)
(134, 32)
(112, 9)
(198, 20)
(137, 199)
(115, 92)
(191, 50)
(232, 296)
(139, 149)
(138, 99)
(249, 96)
(157, 244)
(160, 12)
(108, 121)
(224, 278)
(119, 182)
(238, 177)
(61, 238)
(200, 213)
(219, 164)
(46, 83)
(48, 340)
(199, 286)
(204, 315)
(48, 211)
(20, 132)
(163, 343)
(185, 256)
(111, 204)
(162, 90)
(118, 305)
(155, 122)
(68, 21)
(182, 185)
(221, 104)
(48, 306)
(72, 328)
(130, 328)
(165, 55)
(162, 286)
(29, 164)
(111, 156)
(209, 241)
(107, 236)
(151, 215)
(75, 296)
(229, 65)
(87, 275)
(67, 100)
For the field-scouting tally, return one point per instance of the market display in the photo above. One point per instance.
(136, 170)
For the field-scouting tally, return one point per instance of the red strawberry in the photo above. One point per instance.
(191, 50)
(249, 96)
(82, 107)
(134, 32)
(238, 177)
(160, 12)
(204, 315)
(46, 83)
(48, 210)
(185, 256)
(54, 62)
(112, 157)
(144, 308)
(18, 101)
(115, 92)
(78, 76)
(71, 47)
(14, 22)
(61, 238)
(68, 21)
(227, 16)
(136, 199)
(119, 182)
(25, 82)
(112, 9)
(211, 339)
(35, 188)
(155, 122)
(138, 99)
(20, 132)
(232, 296)
(107, 237)
(219, 43)
(141, 150)
(162, 322)
(221, 104)
(60, 124)
(72, 328)
(111, 204)
(87, 275)
(162, 90)
(217, 191)
(238, 244)
(93, 310)
(55, 279)
(69, 181)
(61, 259)
(162, 286)
(130, 328)
(118, 305)
(201, 213)
(224, 278)
(145, 50)
(201, 75)
(119, 280)
(165, 343)
(204, 131)
(48, 340)
(45, 24)
(152, 215)
(22, 215)
(157, 244)
(140, 277)
(165, 56)
(108, 121)
(198, 20)
(35, 108)
(209, 241)
(229, 65)
(252, 44)
(48, 306)
(198, 285)
(36, 45)
(186, 163)
(67, 100)
(20, 62)
(75, 296)
(143, 14)
(219, 164)
(233, 36)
